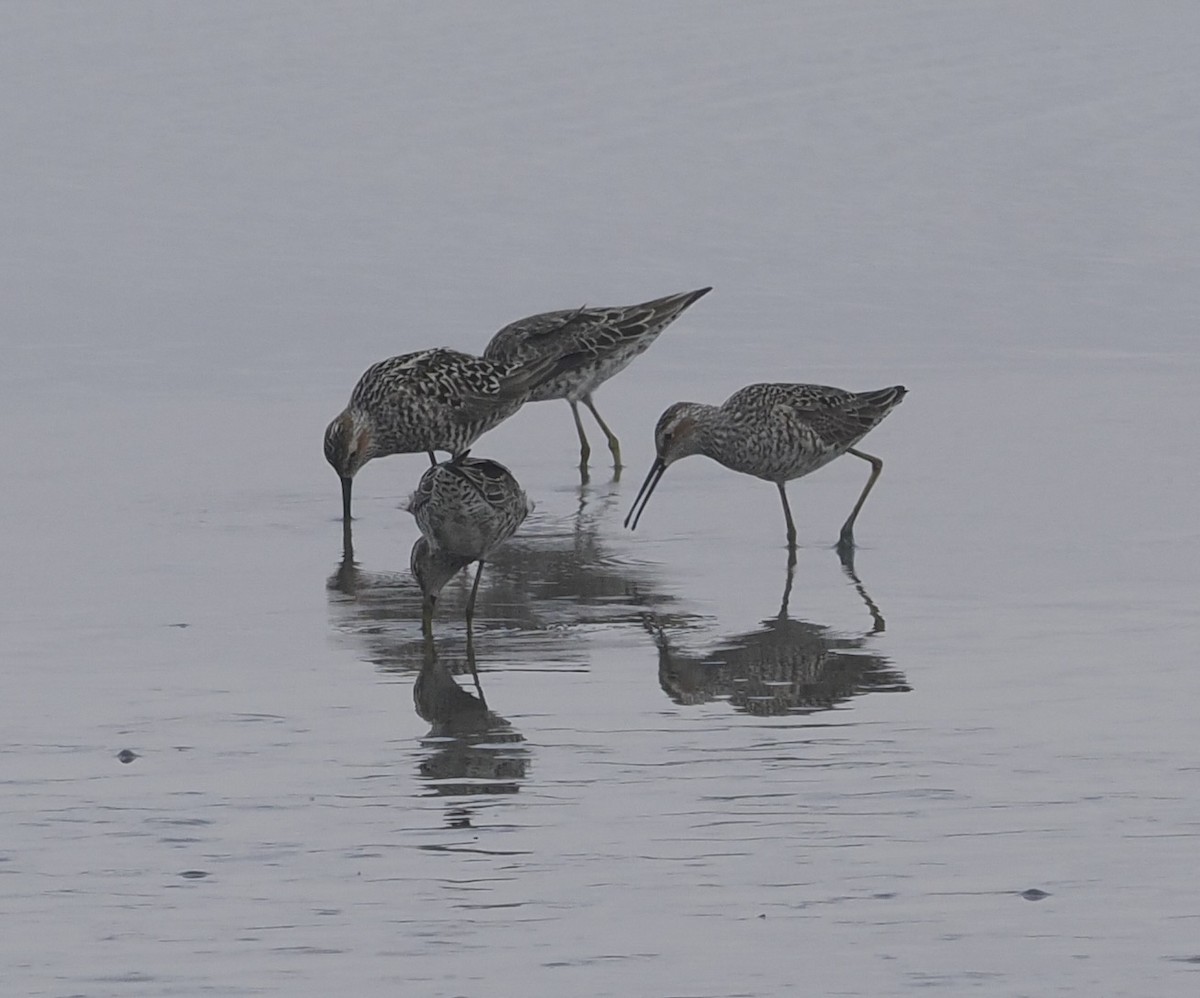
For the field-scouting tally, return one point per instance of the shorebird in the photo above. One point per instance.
(432, 400)
(776, 432)
(464, 507)
(603, 340)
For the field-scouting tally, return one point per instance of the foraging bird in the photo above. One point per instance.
(603, 340)
(428, 401)
(776, 432)
(465, 508)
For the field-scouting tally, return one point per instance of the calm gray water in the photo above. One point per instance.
(970, 765)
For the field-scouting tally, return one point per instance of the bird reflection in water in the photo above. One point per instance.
(553, 577)
(471, 751)
(379, 610)
(785, 666)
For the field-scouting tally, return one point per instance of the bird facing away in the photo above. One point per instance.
(428, 401)
(464, 508)
(776, 432)
(604, 341)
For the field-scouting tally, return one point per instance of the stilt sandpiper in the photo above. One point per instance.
(432, 400)
(776, 432)
(464, 507)
(604, 341)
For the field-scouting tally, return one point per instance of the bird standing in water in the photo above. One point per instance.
(464, 508)
(603, 342)
(432, 400)
(776, 432)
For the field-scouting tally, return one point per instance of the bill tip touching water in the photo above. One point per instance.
(432, 568)
(465, 508)
(442, 400)
(430, 400)
(348, 448)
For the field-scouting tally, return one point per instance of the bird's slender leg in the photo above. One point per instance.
(585, 450)
(787, 512)
(614, 445)
(471, 598)
(432, 457)
(847, 537)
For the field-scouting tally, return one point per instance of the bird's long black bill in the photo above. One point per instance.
(347, 485)
(643, 497)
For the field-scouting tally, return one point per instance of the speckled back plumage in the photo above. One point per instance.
(779, 432)
(436, 400)
(603, 341)
(466, 507)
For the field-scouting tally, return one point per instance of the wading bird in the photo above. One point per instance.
(776, 432)
(464, 508)
(603, 342)
(432, 400)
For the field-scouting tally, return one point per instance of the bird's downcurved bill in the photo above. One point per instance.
(347, 484)
(644, 493)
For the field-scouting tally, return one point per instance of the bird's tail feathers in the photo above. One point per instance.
(884, 399)
(636, 321)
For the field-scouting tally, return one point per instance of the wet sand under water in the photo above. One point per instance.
(672, 777)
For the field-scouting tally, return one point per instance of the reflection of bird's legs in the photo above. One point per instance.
(787, 586)
(471, 663)
(585, 450)
(847, 538)
(787, 513)
(614, 445)
(423, 680)
(879, 624)
(654, 627)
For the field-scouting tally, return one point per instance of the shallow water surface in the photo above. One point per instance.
(662, 763)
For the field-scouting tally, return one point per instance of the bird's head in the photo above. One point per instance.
(348, 442)
(433, 568)
(677, 435)
(678, 432)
